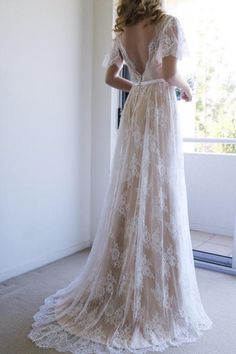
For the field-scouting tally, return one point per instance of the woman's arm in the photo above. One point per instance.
(170, 74)
(112, 79)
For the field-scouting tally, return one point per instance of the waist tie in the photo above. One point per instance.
(147, 82)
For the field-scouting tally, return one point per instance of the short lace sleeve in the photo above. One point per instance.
(113, 56)
(173, 41)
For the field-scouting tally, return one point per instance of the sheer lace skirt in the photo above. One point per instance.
(138, 291)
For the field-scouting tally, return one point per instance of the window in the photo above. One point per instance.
(209, 122)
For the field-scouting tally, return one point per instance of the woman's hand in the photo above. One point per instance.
(186, 95)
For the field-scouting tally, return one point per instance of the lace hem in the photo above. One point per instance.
(46, 332)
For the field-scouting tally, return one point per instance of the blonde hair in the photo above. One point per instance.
(129, 12)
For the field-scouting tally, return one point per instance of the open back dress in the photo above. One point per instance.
(137, 292)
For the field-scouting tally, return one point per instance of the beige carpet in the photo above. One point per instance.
(20, 298)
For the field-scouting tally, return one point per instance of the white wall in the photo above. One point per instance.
(103, 130)
(45, 131)
(211, 188)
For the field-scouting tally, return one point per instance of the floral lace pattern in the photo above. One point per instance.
(114, 56)
(173, 41)
(137, 292)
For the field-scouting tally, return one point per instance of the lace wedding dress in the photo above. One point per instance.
(137, 292)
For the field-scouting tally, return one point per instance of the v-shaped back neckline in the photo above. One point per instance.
(149, 49)
(131, 61)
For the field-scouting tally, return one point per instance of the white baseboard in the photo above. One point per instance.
(213, 229)
(42, 260)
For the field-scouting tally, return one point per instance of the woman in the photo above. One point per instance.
(138, 291)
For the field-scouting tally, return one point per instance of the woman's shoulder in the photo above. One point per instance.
(169, 22)
(164, 20)
(169, 18)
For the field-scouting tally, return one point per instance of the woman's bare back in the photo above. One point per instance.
(136, 40)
